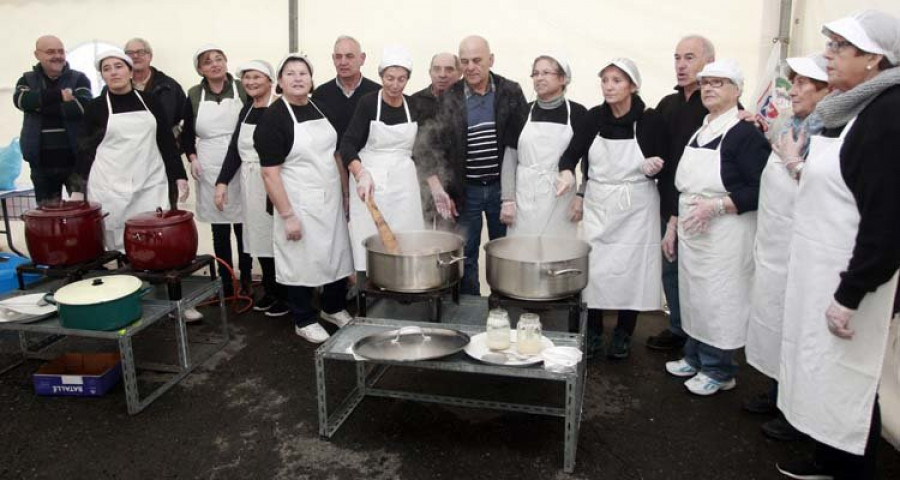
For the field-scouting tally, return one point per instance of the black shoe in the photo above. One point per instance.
(593, 345)
(805, 469)
(761, 404)
(781, 429)
(278, 309)
(264, 303)
(666, 340)
(620, 346)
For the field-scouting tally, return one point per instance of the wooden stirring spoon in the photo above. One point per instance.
(384, 231)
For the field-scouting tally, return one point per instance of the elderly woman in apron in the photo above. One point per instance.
(718, 181)
(845, 254)
(296, 146)
(774, 221)
(377, 150)
(257, 78)
(625, 145)
(528, 177)
(128, 150)
(210, 115)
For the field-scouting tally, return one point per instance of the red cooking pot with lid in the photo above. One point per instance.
(161, 240)
(61, 233)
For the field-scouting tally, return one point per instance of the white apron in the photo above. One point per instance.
(313, 185)
(827, 384)
(128, 175)
(621, 223)
(387, 156)
(774, 222)
(538, 210)
(715, 269)
(214, 126)
(257, 222)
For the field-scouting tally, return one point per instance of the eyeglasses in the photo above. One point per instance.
(835, 46)
(137, 53)
(712, 82)
(53, 51)
(545, 73)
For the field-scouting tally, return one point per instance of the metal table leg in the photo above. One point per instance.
(8, 228)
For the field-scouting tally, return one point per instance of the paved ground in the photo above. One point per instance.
(250, 412)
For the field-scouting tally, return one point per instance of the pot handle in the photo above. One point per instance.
(410, 331)
(49, 299)
(566, 272)
(144, 291)
(447, 263)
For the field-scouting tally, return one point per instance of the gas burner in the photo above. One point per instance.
(572, 304)
(436, 296)
(71, 272)
(172, 278)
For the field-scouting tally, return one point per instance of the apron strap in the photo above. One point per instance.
(381, 99)
(291, 110)
(847, 128)
(568, 112)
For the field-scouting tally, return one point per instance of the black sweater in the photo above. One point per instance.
(96, 116)
(870, 165)
(274, 135)
(340, 108)
(682, 117)
(599, 121)
(357, 133)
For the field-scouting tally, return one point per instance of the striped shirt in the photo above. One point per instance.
(482, 151)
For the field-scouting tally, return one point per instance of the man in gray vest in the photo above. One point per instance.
(52, 96)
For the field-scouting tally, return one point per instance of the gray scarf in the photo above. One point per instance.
(837, 109)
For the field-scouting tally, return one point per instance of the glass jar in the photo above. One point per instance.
(498, 329)
(528, 334)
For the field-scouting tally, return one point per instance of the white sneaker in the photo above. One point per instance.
(680, 368)
(312, 333)
(339, 319)
(192, 315)
(703, 385)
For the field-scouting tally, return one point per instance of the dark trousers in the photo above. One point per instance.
(670, 287)
(846, 466)
(626, 321)
(270, 286)
(486, 199)
(222, 247)
(49, 181)
(300, 301)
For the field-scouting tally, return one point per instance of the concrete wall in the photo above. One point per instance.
(588, 32)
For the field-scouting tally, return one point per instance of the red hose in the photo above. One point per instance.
(236, 288)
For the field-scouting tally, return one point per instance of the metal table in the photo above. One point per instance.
(368, 373)
(5, 195)
(158, 308)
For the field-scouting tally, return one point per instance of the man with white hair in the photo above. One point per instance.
(683, 112)
(52, 97)
(341, 94)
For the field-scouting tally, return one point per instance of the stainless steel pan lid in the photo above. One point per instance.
(410, 344)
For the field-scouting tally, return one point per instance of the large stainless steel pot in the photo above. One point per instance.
(537, 268)
(427, 260)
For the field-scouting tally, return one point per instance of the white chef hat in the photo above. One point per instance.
(727, 68)
(870, 31)
(811, 66)
(260, 66)
(294, 56)
(626, 65)
(209, 47)
(113, 53)
(395, 56)
(562, 61)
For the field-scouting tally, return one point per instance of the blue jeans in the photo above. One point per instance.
(716, 363)
(300, 301)
(479, 198)
(670, 286)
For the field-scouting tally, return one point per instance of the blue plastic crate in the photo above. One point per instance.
(8, 264)
(79, 375)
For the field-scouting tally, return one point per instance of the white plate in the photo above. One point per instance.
(478, 349)
(25, 308)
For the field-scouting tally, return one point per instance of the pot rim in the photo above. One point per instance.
(462, 242)
(97, 290)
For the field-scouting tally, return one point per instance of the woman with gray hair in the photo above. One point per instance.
(845, 254)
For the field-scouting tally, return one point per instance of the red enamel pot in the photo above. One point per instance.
(64, 233)
(161, 240)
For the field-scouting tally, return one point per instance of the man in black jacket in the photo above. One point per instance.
(466, 138)
(52, 96)
(168, 91)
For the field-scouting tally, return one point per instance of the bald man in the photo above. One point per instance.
(52, 97)
(444, 71)
(341, 94)
(473, 121)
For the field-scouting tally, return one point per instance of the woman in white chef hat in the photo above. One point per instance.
(377, 150)
(774, 221)
(258, 80)
(210, 116)
(845, 254)
(127, 150)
